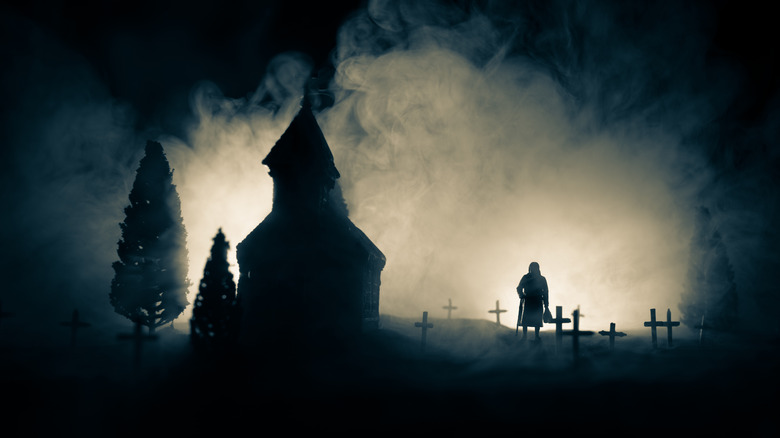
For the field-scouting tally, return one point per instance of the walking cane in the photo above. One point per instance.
(519, 316)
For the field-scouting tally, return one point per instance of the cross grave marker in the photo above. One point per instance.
(612, 333)
(575, 333)
(669, 324)
(74, 325)
(701, 328)
(559, 320)
(498, 311)
(449, 307)
(653, 324)
(425, 326)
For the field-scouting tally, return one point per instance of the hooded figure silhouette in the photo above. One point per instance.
(533, 294)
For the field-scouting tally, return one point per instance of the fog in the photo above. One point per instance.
(471, 144)
(471, 141)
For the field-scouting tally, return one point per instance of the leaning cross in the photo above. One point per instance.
(559, 320)
(449, 308)
(498, 311)
(653, 324)
(575, 333)
(701, 327)
(74, 325)
(669, 324)
(611, 333)
(138, 338)
(425, 326)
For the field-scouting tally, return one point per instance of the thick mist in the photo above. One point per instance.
(466, 160)
(472, 140)
(69, 159)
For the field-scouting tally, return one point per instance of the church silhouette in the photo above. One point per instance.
(309, 278)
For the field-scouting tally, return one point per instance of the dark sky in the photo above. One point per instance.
(145, 58)
(151, 53)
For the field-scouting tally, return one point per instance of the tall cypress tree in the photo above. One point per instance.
(150, 279)
(214, 316)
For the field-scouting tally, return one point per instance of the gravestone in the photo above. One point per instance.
(425, 325)
(612, 334)
(669, 324)
(653, 324)
(559, 320)
(575, 333)
(449, 307)
(75, 324)
(498, 311)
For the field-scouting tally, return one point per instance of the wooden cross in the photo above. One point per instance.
(653, 324)
(559, 320)
(449, 308)
(611, 333)
(575, 333)
(669, 324)
(74, 325)
(138, 339)
(425, 326)
(498, 311)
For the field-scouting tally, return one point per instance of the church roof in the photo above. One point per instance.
(302, 147)
(303, 154)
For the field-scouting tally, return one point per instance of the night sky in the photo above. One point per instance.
(692, 84)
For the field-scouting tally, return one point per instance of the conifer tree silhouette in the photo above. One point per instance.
(150, 279)
(215, 315)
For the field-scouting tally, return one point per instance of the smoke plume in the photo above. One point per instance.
(473, 140)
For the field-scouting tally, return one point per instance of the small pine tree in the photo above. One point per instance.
(150, 279)
(215, 317)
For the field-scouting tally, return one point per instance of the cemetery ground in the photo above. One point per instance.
(471, 374)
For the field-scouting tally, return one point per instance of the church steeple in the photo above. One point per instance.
(301, 164)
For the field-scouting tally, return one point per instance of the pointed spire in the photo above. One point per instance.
(302, 165)
(302, 147)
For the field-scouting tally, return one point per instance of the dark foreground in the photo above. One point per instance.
(390, 385)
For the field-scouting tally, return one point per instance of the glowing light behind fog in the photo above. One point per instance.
(221, 180)
(463, 176)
